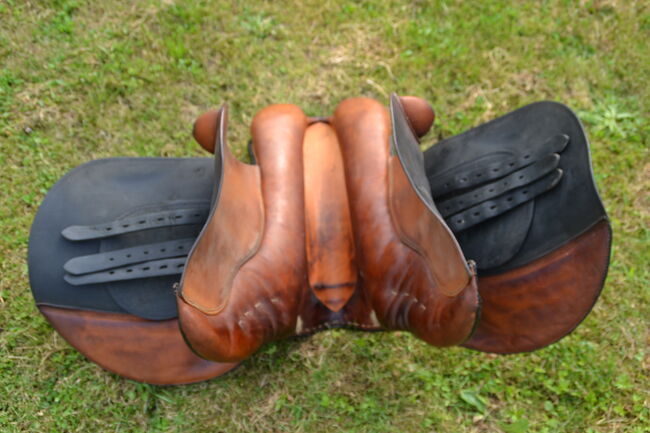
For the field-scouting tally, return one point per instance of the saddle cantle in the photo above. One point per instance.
(333, 225)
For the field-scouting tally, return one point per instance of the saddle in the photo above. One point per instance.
(495, 239)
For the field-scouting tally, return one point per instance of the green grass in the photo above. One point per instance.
(82, 80)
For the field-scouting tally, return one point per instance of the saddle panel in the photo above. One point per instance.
(104, 193)
(436, 301)
(266, 289)
(148, 351)
(517, 140)
(535, 305)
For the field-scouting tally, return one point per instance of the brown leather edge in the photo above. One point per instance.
(574, 272)
(267, 291)
(147, 351)
(418, 227)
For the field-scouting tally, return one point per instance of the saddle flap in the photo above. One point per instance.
(413, 211)
(532, 219)
(413, 273)
(123, 325)
(245, 276)
(231, 234)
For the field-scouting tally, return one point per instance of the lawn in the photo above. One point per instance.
(81, 80)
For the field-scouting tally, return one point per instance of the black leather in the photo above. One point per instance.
(477, 167)
(556, 208)
(153, 268)
(135, 223)
(490, 209)
(498, 187)
(128, 256)
(115, 189)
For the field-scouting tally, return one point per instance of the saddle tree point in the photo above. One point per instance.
(205, 128)
(419, 113)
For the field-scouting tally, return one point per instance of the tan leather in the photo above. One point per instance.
(262, 302)
(223, 248)
(437, 301)
(419, 113)
(332, 272)
(144, 350)
(205, 129)
(526, 308)
(333, 252)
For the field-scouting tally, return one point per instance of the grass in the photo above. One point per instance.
(82, 80)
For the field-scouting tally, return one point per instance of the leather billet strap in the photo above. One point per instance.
(153, 268)
(489, 209)
(141, 261)
(494, 189)
(128, 256)
(478, 171)
(136, 223)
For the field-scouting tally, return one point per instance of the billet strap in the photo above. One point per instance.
(194, 215)
(154, 268)
(128, 256)
(476, 173)
(491, 208)
(494, 189)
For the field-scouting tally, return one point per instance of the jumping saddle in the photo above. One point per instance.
(495, 239)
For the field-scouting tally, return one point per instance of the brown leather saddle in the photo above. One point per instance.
(334, 224)
(328, 229)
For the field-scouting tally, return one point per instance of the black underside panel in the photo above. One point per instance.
(534, 228)
(105, 191)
